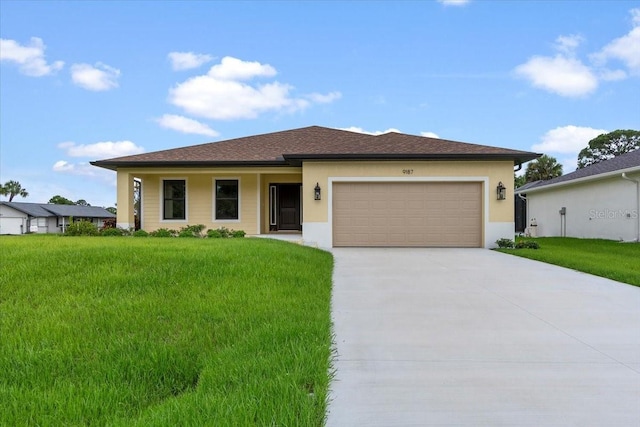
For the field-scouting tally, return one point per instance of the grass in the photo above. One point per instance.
(163, 332)
(605, 258)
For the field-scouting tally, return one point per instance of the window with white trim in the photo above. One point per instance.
(227, 199)
(174, 199)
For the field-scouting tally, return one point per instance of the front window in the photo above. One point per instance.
(226, 199)
(174, 195)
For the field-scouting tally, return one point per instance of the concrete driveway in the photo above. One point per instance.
(475, 337)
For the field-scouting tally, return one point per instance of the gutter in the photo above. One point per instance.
(637, 182)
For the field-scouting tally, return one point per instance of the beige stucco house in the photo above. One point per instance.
(334, 187)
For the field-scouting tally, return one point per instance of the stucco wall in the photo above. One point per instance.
(200, 195)
(603, 209)
(498, 220)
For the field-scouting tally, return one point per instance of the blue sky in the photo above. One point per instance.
(82, 81)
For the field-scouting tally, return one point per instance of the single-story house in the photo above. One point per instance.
(334, 187)
(599, 201)
(21, 218)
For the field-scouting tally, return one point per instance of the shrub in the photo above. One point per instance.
(192, 231)
(527, 244)
(82, 228)
(112, 232)
(108, 223)
(224, 232)
(214, 234)
(140, 233)
(162, 232)
(505, 243)
(186, 233)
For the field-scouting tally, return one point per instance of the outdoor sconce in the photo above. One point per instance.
(316, 192)
(502, 191)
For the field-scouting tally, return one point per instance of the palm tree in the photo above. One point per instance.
(544, 168)
(13, 189)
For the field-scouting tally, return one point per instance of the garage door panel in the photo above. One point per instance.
(407, 214)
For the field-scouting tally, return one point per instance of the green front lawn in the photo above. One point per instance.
(163, 332)
(606, 258)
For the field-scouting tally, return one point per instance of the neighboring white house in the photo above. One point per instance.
(21, 218)
(599, 201)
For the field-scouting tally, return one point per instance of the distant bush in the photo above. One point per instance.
(82, 228)
(527, 244)
(163, 232)
(192, 231)
(224, 233)
(214, 234)
(108, 223)
(140, 233)
(505, 243)
(112, 232)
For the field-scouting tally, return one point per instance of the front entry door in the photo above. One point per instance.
(289, 207)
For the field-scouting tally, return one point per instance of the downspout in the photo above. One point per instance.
(637, 181)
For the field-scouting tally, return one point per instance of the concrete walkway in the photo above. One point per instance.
(474, 337)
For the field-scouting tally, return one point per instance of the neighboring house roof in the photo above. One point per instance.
(628, 162)
(31, 209)
(291, 147)
(50, 210)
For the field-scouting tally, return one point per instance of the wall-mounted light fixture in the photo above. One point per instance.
(317, 192)
(501, 191)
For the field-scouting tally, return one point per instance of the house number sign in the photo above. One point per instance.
(407, 171)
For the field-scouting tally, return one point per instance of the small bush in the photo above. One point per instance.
(186, 233)
(112, 232)
(140, 233)
(162, 232)
(214, 234)
(82, 228)
(224, 233)
(527, 244)
(108, 223)
(505, 243)
(192, 231)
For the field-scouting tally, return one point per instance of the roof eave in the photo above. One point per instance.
(516, 158)
(604, 175)
(114, 165)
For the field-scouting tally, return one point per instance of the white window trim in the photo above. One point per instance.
(213, 212)
(186, 200)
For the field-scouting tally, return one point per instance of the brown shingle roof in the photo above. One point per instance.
(292, 146)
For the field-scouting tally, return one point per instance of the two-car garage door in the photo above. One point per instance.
(427, 214)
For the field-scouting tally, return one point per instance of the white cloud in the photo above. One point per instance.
(429, 134)
(324, 99)
(100, 77)
(567, 75)
(185, 125)
(82, 169)
(236, 69)
(567, 139)
(376, 132)
(30, 58)
(568, 44)
(106, 149)
(625, 49)
(85, 170)
(222, 94)
(612, 75)
(562, 75)
(187, 60)
(454, 2)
